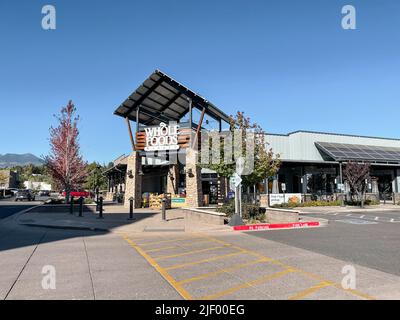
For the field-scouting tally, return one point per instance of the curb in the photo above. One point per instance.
(64, 227)
(16, 215)
(278, 226)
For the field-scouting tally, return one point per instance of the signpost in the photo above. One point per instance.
(236, 219)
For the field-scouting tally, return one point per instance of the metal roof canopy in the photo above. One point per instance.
(162, 99)
(346, 152)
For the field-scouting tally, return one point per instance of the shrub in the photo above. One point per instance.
(250, 211)
(227, 208)
(368, 202)
(308, 204)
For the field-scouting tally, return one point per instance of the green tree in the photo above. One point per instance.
(266, 163)
(95, 177)
(3, 181)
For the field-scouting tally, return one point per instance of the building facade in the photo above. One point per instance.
(312, 163)
(11, 180)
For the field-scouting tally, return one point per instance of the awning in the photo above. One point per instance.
(346, 152)
(162, 99)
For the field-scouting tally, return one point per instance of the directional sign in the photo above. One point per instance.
(238, 180)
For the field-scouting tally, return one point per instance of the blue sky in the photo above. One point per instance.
(288, 64)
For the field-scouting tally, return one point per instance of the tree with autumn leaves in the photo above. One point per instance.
(65, 163)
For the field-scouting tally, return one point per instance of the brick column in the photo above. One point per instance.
(133, 185)
(194, 191)
(173, 179)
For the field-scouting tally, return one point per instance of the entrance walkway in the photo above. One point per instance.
(116, 220)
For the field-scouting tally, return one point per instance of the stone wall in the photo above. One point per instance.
(194, 192)
(282, 216)
(173, 179)
(134, 181)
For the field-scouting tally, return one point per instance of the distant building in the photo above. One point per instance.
(34, 185)
(11, 181)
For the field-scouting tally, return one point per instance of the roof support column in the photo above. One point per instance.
(190, 113)
(137, 120)
(341, 183)
(130, 134)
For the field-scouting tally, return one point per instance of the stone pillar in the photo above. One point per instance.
(194, 191)
(173, 179)
(133, 181)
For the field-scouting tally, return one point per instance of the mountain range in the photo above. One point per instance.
(11, 160)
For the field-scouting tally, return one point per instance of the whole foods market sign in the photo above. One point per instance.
(163, 137)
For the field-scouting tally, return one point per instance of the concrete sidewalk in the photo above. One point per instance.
(116, 220)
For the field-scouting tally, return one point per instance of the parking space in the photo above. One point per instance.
(374, 216)
(202, 267)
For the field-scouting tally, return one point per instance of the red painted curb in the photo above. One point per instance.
(268, 226)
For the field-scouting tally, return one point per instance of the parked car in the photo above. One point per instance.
(13, 191)
(44, 193)
(24, 195)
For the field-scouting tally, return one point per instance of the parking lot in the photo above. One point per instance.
(205, 267)
(369, 238)
(283, 264)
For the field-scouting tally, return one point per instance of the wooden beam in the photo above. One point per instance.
(130, 134)
(198, 128)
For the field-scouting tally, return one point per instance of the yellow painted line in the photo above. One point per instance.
(160, 270)
(165, 241)
(302, 272)
(178, 266)
(160, 249)
(179, 246)
(248, 284)
(338, 286)
(215, 273)
(189, 253)
(311, 290)
(355, 292)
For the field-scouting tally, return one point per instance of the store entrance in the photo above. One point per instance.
(385, 186)
(210, 192)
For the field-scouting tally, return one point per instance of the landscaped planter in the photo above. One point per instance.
(286, 216)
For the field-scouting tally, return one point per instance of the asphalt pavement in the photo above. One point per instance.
(369, 239)
(8, 207)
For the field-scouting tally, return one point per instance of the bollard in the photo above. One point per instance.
(71, 206)
(164, 218)
(81, 206)
(100, 208)
(131, 209)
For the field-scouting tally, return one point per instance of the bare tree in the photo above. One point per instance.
(357, 175)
